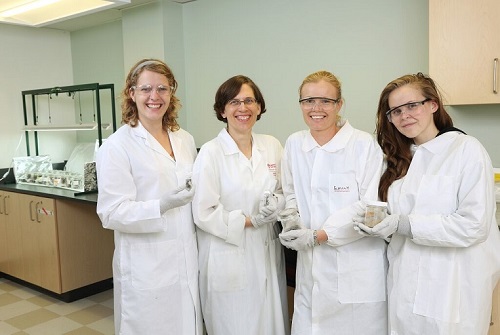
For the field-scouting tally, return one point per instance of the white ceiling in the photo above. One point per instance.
(89, 20)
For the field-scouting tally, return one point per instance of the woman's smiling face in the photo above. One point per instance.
(151, 106)
(240, 119)
(319, 118)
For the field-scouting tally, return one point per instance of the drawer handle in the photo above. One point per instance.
(37, 212)
(495, 67)
(31, 211)
(5, 204)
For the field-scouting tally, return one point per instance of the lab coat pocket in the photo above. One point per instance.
(342, 190)
(154, 265)
(361, 276)
(438, 288)
(226, 270)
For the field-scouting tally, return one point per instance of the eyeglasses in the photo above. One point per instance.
(409, 108)
(323, 103)
(235, 103)
(147, 89)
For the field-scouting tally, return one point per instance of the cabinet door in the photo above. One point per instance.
(3, 231)
(40, 246)
(464, 40)
(495, 313)
(13, 262)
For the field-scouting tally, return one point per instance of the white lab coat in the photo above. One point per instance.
(441, 281)
(242, 270)
(340, 285)
(155, 268)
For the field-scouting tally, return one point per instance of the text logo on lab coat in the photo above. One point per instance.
(272, 168)
(340, 188)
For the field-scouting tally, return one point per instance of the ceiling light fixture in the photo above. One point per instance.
(26, 7)
(42, 12)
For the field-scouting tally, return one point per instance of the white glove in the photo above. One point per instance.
(177, 198)
(298, 239)
(359, 218)
(385, 228)
(268, 210)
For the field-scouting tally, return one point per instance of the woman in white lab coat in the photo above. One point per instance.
(144, 197)
(238, 195)
(443, 253)
(327, 170)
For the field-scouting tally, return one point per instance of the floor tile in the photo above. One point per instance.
(57, 326)
(24, 311)
(90, 314)
(32, 318)
(7, 299)
(18, 308)
(6, 329)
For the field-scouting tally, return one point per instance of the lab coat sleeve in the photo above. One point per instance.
(471, 222)
(208, 212)
(339, 225)
(117, 206)
(278, 191)
(287, 180)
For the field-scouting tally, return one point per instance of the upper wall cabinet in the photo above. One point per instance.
(464, 50)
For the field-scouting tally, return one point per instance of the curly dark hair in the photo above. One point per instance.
(130, 114)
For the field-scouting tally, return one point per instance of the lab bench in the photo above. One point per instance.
(52, 240)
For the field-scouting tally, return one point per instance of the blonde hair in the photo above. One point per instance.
(322, 75)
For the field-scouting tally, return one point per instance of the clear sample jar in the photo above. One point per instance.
(375, 212)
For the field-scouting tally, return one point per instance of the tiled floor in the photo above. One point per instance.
(25, 311)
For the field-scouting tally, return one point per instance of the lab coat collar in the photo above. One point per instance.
(152, 143)
(441, 142)
(338, 142)
(139, 130)
(230, 147)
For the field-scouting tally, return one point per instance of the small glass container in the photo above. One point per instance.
(375, 212)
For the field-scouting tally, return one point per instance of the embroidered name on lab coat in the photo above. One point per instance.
(341, 189)
(272, 168)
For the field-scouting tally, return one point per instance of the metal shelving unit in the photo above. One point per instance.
(35, 127)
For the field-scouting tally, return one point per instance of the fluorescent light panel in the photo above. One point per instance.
(41, 12)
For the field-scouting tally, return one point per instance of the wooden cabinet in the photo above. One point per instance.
(12, 258)
(495, 313)
(3, 240)
(464, 41)
(58, 245)
(85, 247)
(39, 245)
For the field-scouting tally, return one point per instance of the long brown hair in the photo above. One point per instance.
(130, 114)
(395, 145)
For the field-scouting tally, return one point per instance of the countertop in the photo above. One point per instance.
(50, 192)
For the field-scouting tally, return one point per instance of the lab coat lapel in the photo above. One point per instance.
(338, 142)
(151, 142)
(230, 147)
